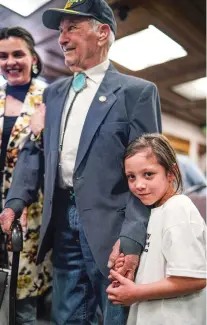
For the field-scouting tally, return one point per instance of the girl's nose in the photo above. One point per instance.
(140, 185)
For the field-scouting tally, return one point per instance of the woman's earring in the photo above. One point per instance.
(35, 69)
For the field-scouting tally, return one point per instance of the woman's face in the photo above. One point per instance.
(16, 61)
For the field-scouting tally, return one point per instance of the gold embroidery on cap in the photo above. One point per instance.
(70, 3)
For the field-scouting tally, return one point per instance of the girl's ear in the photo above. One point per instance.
(171, 174)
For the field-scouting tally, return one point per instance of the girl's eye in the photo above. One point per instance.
(148, 174)
(130, 177)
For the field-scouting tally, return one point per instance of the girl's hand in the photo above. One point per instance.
(125, 293)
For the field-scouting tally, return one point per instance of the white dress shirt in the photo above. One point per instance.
(76, 121)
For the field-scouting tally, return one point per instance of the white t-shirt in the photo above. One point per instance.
(175, 246)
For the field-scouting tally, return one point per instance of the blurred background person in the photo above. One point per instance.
(191, 174)
(194, 182)
(19, 97)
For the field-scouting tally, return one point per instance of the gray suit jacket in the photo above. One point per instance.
(106, 208)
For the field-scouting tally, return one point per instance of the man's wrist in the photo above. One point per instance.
(17, 205)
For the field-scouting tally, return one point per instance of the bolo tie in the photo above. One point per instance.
(78, 84)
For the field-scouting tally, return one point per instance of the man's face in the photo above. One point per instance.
(79, 43)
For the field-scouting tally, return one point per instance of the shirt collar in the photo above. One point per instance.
(96, 73)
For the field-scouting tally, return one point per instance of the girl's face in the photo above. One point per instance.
(147, 179)
(16, 61)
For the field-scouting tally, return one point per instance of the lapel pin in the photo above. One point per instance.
(102, 99)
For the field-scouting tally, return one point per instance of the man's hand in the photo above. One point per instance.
(114, 254)
(131, 263)
(124, 294)
(7, 218)
(38, 119)
(119, 262)
(23, 219)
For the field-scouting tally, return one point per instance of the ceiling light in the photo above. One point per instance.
(26, 7)
(144, 49)
(192, 90)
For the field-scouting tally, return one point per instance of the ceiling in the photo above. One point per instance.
(182, 20)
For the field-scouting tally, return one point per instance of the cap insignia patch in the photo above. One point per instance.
(71, 2)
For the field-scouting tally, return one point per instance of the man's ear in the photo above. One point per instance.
(104, 32)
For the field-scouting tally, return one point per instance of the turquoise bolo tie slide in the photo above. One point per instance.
(79, 82)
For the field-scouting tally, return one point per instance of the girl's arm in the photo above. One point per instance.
(170, 287)
(128, 292)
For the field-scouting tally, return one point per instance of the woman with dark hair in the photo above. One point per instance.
(19, 98)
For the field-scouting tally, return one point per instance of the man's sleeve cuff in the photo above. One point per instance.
(129, 246)
(17, 205)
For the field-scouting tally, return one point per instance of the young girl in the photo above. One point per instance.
(172, 271)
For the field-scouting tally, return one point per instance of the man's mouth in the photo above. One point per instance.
(68, 49)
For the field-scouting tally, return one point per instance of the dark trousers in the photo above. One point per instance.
(79, 288)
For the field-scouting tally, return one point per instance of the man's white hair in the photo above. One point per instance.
(95, 23)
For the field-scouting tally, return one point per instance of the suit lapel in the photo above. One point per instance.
(97, 112)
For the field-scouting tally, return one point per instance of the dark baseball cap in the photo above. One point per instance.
(97, 9)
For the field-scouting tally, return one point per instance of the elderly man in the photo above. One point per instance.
(89, 217)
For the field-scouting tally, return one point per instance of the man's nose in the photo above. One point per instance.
(63, 39)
